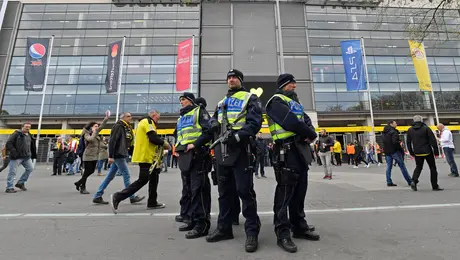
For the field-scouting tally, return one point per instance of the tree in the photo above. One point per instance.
(335, 108)
(432, 19)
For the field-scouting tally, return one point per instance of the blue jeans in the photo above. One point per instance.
(28, 166)
(398, 157)
(449, 153)
(100, 163)
(118, 165)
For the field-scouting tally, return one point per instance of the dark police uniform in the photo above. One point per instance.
(193, 128)
(290, 127)
(233, 164)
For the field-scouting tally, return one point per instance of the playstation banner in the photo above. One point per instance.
(36, 62)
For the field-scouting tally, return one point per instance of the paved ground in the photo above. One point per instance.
(357, 216)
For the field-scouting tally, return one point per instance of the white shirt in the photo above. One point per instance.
(446, 138)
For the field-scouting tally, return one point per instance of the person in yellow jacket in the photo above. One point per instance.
(148, 149)
(338, 152)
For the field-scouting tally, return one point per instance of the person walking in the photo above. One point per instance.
(394, 151)
(103, 156)
(22, 149)
(92, 144)
(422, 145)
(5, 158)
(120, 146)
(448, 147)
(359, 155)
(59, 150)
(148, 149)
(324, 145)
(260, 156)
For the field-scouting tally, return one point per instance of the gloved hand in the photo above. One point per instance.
(231, 140)
(215, 126)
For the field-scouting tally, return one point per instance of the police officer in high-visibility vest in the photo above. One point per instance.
(292, 131)
(147, 150)
(192, 143)
(238, 118)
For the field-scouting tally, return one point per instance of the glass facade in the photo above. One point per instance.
(393, 83)
(78, 64)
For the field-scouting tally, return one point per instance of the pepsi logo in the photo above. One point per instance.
(37, 51)
(114, 50)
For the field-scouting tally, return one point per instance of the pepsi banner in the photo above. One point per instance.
(36, 62)
(113, 67)
(353, 64)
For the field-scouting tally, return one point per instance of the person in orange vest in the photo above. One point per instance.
(379, 153)
(350, 153)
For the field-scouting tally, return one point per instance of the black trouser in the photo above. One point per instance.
(144, 177)
(6, 162)
(186, 197)
(419, 160)
(90, 167)
(236, 209)
(351, 159)
(358, 159)
(290, 193)
(338, 158)
(237, 176)
(197, 182)
(174, 162)
(58, 164)
(379, 158)
(260, 163)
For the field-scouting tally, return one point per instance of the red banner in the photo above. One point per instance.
(184, 57)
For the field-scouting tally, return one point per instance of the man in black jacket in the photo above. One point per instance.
(120, 146)
(260, 159)
(22, 149)
(422, 145)
(394, 151)
(325, 143)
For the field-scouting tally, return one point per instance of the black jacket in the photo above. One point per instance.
(328, 143)
(278, 110)
(261, 147)
(120, 141)
(203, 120)
(421, 140)
(18, 148)
(391, 142)
(253, 117)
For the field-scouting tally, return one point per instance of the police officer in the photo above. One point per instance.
(291, 130)
(238, 118)
(148, 149)
(192, 144)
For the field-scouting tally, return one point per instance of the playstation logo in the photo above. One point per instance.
(350, 50)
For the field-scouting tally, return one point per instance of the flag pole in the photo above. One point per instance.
(119, 77)
(191, 63)
(372, 139)
(45, 83)
(2, 12)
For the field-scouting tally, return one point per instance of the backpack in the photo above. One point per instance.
(81, 147)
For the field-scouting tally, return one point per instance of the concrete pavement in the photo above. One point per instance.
(356, 214)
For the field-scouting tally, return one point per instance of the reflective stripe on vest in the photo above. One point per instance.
(188, 127)
(276, 130)
(235, 105)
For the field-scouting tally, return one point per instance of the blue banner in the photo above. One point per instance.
(353, 64)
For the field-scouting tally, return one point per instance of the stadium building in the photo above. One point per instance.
(260, 38)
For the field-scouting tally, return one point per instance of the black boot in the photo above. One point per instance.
(136, 199)
(200, 230)
(308, 235)
(100, 200)
(251, 244)
(287, 245)
(413, 186)
(83, 190)
(187, 227)
(219, 235)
